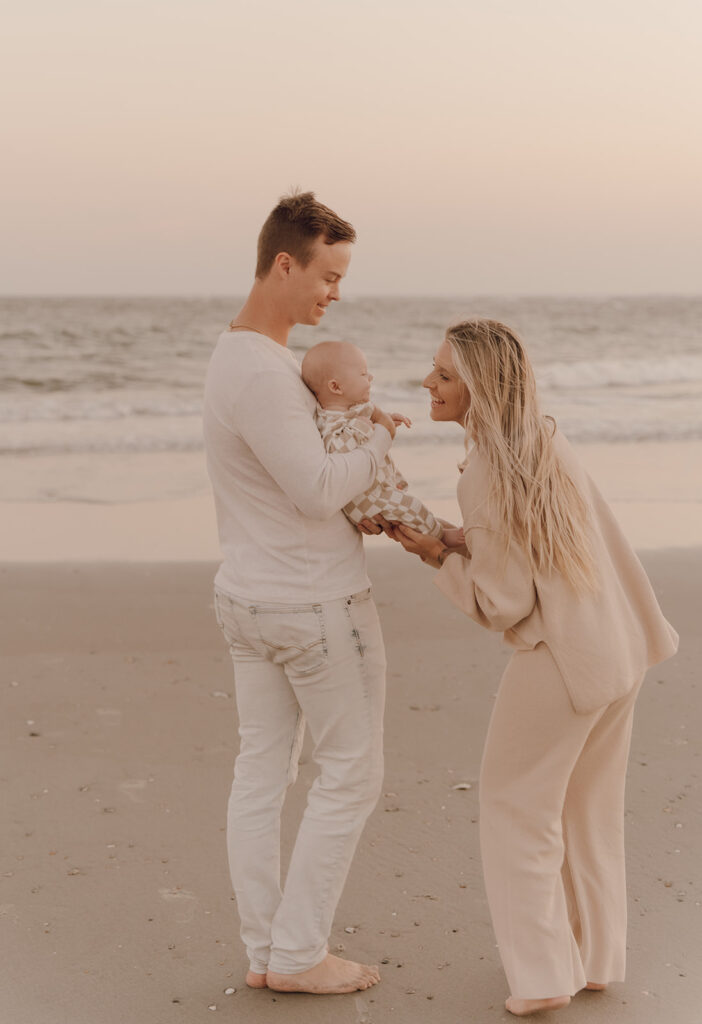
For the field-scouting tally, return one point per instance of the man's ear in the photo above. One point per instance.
(282, 264)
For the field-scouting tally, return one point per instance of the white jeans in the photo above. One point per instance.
(325, 661)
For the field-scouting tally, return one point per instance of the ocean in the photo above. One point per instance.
(126, 374)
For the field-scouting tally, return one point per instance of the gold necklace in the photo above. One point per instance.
(244, 327)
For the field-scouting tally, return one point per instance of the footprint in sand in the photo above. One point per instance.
(132, 788)
(182, 898)
(111, 716)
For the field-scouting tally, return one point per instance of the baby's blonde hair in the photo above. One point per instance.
(532, 497)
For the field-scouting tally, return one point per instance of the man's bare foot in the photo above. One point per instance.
(254, 980)
(330, 977)
(523, 1007)
(594, 986)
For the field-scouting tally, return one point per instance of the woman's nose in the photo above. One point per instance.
(427, 382)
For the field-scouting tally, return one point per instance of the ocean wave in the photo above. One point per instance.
(98, 446)
(186, 436)
(606, 373)
(20, 334)
(102, 406)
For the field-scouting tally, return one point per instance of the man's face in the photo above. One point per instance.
(313, 287)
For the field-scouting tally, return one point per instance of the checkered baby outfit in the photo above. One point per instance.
(343, 430)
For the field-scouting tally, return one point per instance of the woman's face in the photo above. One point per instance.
(450, 398)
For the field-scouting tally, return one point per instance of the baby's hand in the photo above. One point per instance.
(398, 419)
(384, 419)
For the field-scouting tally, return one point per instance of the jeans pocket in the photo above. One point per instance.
(227, 619)
(294, 637)
(217, 610)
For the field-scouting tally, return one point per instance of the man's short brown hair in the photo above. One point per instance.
(293, 227)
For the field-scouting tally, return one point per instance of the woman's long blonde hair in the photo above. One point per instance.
(533, 499)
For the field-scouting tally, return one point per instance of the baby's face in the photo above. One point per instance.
(354, 378)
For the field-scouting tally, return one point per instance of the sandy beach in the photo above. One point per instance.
(530, 164)
(120, 735)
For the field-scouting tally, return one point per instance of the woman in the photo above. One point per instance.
(546, 563)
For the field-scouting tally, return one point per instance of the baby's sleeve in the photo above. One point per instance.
(345, 439)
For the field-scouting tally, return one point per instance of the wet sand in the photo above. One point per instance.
(119, 738)
(157, 506)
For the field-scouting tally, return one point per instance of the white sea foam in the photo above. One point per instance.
(107, 405)
(126, 375)
(627, 373)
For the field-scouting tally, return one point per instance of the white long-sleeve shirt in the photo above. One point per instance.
(278, 493)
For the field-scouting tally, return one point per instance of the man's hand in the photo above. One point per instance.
(378, 416)
(378, 524)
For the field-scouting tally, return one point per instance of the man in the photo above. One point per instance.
(292, 598)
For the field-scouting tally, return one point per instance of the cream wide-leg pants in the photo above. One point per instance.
(324, 663)
(552, 831)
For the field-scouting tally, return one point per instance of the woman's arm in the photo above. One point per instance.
(491, 583)
(494, 586)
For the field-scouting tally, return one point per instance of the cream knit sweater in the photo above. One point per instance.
(603, 642)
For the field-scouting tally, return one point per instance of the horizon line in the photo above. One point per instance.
(447, 296)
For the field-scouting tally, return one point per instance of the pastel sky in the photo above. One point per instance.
(478, 146)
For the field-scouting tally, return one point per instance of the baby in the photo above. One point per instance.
(337, 374)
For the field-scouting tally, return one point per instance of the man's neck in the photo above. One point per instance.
(261, 314)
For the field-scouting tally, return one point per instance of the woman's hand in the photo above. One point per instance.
(428, 548)
(378, 416)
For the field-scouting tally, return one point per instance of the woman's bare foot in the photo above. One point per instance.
(523, 1007)
(594, 986)
(330, 977)
(254, 980)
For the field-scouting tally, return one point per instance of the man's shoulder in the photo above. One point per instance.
(244, 355)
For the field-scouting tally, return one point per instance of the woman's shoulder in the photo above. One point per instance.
(474, 487)
(476, 466)
(567, 456)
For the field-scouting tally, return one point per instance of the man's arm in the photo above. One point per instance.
(272, 417)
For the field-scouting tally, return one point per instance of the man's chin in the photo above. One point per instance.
(312, 318)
